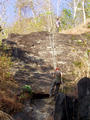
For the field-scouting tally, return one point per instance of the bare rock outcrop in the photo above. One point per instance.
(68, 108)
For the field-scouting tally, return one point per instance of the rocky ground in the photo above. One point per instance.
(33, 55)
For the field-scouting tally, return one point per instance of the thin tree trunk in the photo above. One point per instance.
(34, 15)
(75, 7)
(49, 17)
(19, 14)
(84, 15)
(51, 30)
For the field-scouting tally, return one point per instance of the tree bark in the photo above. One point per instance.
(84, 15)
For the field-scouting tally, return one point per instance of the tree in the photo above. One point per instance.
(66, 19)
(79, 5)
(3, 16)
(83, 8)
(87, 8)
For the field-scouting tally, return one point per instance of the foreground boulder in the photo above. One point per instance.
(84, 108)
(69, 108)
(65, 108)
(83, 87)
(84, 99)
(5, 116)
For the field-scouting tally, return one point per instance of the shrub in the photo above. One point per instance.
(8, 102)
(81, 63)
(5, 64)
(9, 105)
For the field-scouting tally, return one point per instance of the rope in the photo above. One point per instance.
(52, 35)
(53, 49)
(52, 45)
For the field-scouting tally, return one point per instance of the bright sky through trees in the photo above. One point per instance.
(11, 12)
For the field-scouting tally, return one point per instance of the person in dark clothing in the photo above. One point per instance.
(57, 25)
(1, 30)
(56, 83)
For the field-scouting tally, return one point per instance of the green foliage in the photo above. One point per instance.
(82, 43)
(66, 19)
(48, 13)
(27, 88)
(89, 26)
(78, 64)
(28, 25)
(5, 64)
(5, 61)
(0, 43)
(79, 41)
(87, 35)
(67, 13)
(87, 8)
(82, 64)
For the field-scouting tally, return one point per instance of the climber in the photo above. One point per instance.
(57, 25)
(56, 83)
(1, 30)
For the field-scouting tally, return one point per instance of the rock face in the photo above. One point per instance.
(84, 108)
(34, 53)
(65, 108)
(84, 98)
(68, 108)
(84, 87)
(5, 116)
(35, 63)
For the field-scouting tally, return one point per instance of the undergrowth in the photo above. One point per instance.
(38, 24)
(8, 101)
(81, 63)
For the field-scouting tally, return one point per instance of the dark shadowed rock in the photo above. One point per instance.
(8, 42)
(84, 98)
(65, 108)
(12, 35)
(83, 87)
(68, 108)
(84, 108)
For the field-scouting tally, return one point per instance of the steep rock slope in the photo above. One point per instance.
(35, 53)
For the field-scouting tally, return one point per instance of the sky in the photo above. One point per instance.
(11, 13)
(62, 5)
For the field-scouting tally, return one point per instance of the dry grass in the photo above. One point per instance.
(8, 101)
(9, 105)
(80, 29)
(82, 69)
(81, 63)
(27, 26)
(6, 78)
